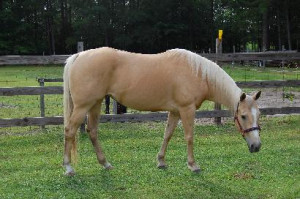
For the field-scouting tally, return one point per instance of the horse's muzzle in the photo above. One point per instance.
(254, 147)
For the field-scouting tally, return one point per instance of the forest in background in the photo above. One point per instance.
(147, 26)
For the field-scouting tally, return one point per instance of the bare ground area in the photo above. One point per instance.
(275, 98)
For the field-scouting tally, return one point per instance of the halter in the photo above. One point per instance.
(243, 132)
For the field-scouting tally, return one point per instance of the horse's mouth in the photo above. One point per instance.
(254, 148)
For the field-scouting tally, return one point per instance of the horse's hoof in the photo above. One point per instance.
(162, 166)
(69, 173)
(108, 166)
(194, 168)
(198, 170)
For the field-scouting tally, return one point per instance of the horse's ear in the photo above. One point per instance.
(257, 95)
(243, 97)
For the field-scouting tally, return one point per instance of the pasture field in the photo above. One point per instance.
(31, 163)
(31, 159)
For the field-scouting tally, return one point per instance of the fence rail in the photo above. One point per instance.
(36, 90)
(32, 59)
(224, 57)
(256, 56)
(58, 120)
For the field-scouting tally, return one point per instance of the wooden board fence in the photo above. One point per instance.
(58, 120)
(224, 57)
(41, 121)
(36, 90)
(261, 56)
(32, 59)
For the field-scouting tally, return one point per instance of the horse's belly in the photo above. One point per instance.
(145, 100)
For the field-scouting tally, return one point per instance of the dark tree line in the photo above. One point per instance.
(148, 26)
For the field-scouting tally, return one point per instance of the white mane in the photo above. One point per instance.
(220, 83)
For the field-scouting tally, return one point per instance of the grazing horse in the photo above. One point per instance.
(177, 81)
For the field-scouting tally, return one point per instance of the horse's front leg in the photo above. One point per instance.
(171, 125)
(187, 115)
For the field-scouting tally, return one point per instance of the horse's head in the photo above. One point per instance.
(246, 120)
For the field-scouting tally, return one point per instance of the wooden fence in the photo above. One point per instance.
(41, 121)
(224, 57)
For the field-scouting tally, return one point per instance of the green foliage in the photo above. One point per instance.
(289, 96)
(37, 27)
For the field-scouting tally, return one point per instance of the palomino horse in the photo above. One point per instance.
(177, 81)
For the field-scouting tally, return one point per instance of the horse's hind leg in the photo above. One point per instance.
(76, 119)
(171, 125)
(93, 118)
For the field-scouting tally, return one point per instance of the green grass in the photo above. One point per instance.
(250, 73)
(31, 163)
(20, 76)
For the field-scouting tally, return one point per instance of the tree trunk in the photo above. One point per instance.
(35, 26)
(288, 26)
(212, 29)
(265, 31)
(63, 28)
(50, 27)
(278, 28)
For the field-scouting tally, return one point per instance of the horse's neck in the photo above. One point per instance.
(223, 89)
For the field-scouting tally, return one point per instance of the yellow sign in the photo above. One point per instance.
(220, 34)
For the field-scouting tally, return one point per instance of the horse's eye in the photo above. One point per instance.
(243, 117)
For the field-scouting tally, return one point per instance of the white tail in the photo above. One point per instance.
(68, 104)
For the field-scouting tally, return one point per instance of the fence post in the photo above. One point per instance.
(233, 49)
(42, 100)
(118, 108)
(115, 107)
(218, 51)
(107, 103)
(80, 46)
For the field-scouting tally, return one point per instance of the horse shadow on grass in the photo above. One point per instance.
(176, 185)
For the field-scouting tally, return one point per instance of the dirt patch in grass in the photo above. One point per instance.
(243, 176)
(279, 98)
(2, 105)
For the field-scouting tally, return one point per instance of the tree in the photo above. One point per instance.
(148, 26)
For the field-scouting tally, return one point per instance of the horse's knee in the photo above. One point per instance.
(189, 139)
(69, 135)
(93, 135)
(167, 138)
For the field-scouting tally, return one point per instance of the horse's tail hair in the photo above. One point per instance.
(68, 103)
